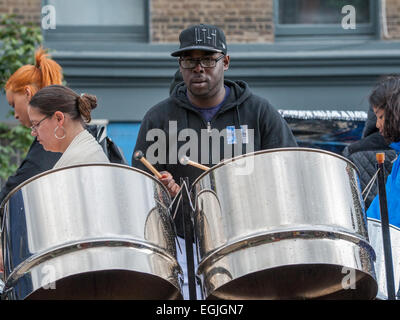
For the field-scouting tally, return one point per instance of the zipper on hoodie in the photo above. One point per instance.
(209, 127)
(209, 143)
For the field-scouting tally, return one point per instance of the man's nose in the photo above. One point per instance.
(198, 67)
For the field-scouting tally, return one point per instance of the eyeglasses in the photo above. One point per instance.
(205, 62)
(36, 126)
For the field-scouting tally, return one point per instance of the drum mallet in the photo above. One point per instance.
(185, 161)
(139, 156)
(387, 247)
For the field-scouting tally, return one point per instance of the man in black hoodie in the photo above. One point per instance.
(203, 105)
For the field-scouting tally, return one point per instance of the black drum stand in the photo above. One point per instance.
(387, 247)
(188, 228)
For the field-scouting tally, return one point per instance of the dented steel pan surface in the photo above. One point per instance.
(283, 224)
(96, 231)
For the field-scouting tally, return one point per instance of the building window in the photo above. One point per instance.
(99, 20)
(321, 18)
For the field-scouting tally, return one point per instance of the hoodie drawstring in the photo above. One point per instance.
(237, 118)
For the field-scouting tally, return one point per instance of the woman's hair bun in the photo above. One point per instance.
(86, 103)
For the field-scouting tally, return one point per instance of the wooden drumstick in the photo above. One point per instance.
(185, 160)
(139, 156)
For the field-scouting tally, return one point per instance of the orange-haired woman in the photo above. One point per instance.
(20, 88)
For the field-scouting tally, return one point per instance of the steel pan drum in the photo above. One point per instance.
(375, 238)
(90, 232)
(1, 285)
(283, 224)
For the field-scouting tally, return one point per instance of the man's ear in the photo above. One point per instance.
(226, 62)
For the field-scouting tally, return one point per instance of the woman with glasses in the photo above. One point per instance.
(20, 88)
(58, 117)
(385, 99)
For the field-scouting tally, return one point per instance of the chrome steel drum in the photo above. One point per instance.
(283, 224)
(1, 286)
(375, 238)
(90, 232)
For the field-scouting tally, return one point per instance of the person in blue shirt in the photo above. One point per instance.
(385, 99)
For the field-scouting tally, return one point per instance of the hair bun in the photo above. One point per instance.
(86, 103)
(90, 99)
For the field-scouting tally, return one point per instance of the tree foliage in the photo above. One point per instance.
(18, 43)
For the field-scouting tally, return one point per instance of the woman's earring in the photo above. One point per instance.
(55, 133)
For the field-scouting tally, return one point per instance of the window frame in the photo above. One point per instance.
(134, 34)
(306, 31)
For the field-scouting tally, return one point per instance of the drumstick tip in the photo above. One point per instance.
(138, 155)
(380, 157)
(184, 160)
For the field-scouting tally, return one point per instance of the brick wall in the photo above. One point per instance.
(393, 19)
(26, 10)
(240, 22)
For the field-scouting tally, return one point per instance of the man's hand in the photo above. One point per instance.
(168, 181)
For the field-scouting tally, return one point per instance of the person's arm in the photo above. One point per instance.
(142, 145)
(36, 161)
(26, 170)
(275, 132)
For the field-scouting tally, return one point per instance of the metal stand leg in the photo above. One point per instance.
(189, 238)
(387, 247)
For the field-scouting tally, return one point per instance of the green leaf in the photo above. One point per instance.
(18, 45)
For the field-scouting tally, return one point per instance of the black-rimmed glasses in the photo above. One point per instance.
(205, 62)
(36, 126)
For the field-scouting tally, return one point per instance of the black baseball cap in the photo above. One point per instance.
(204, 37)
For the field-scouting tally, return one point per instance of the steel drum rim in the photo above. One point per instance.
(262, 238)
(105, 164)
(227, 161)
(73, 246)
(380, 222)
(213, 290)
(98, 268)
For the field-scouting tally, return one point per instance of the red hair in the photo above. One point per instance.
(45, 72)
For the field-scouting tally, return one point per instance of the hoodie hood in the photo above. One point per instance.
(370, 124)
